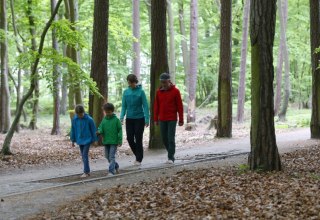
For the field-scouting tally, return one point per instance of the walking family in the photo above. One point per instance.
(168, 111)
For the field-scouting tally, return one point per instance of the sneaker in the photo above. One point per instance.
(169, 162)
(85, 175)
(137, 163)
(117, 171)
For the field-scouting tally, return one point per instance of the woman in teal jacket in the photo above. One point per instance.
(135, 108)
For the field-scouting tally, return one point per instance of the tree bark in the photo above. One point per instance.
(7, 141)
(5, 115)
(172, 56)
(35, 99)
(184, 48)
(56, 81)
(191, 115)
(136, 34)
(99, 70)
(287, 85)
(64, 88)
(315, 57)
(224, 128)
(242, 75)
(159, 62)
(264, 151)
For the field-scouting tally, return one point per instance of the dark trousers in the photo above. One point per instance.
(135, 129)
(168, 134)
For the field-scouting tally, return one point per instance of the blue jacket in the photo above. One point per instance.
(134, 104)
(83, 130)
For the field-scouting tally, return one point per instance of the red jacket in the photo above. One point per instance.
(168, 104)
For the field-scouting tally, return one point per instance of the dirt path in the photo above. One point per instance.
(15, 207)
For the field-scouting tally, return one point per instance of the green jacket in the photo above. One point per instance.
(111, 130)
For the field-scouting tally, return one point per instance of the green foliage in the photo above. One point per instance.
(67, 34)
(243, 168)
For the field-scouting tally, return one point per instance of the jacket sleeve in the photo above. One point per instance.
(119, 126)
(123, 107)
(179, 105)
(100, 128)
(72, 133)
(93, 130)
(156, 108)
(145, 107)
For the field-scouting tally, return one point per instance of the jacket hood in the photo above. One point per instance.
(84, 117)
(138, 86)
(110, 117)
(172, 86)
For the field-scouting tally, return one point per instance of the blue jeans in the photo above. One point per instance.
(110, 151)
(84, 151)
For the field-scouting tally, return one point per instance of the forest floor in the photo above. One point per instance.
(223, 189)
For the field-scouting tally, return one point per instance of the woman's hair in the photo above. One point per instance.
(132, 78)
(108, 107)
(79, 109)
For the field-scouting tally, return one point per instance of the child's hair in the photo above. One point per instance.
(132, 78)
(108, 107)
(79, 109)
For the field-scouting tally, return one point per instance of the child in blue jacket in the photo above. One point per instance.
(83, 133)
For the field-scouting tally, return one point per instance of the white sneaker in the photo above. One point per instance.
(169, 162)
(85, 175)
(137, 163)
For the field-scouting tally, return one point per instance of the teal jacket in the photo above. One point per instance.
(134, 104)
(111, 130)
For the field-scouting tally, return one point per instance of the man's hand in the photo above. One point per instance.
(180, 123)
(147, 125)
(121, 121)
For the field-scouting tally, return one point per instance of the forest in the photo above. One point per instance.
(82, 54)
(249, 77)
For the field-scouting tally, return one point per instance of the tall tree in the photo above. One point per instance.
(99, 68)
(184, 48)
(36, 95)
(136, 34)
(172, 56)
(7, 141)
(224, 128)
(264, 151)
(315, 57)
(243, 63)
(4, 86)
(56, 80)
(191, 115)
(283, 14)
(159, 61)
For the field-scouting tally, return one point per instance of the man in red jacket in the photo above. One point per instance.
(167, 106)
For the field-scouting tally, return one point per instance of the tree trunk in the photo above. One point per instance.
(159, 62)
(56, 81)
(184, 48)
(64, 88)
(5, 116)
(242, 75)
(224, 84)
(99, 70)
(315, 57)
(172, 56)
(191, 115)
(7, 141)
(136, 34)
(264, 151)
(287, 85)
(35, 99)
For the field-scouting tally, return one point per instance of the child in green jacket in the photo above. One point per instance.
(111, 130)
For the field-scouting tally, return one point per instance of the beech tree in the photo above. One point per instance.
(99, 68)
(264, 153)
(224, 128)
(315, 57)
(4, 85)
(136, 34)
(159, 61)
